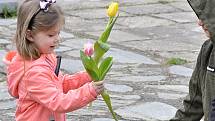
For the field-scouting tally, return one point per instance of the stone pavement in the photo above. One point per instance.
(148, 33)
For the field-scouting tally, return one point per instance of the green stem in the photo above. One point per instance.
(107, 100)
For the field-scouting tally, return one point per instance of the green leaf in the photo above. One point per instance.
(100, 48)
(105, 67)
(104, 46)
(90, 66)
(109, 22)
(107, 100)
(108, 29)
(93, 75)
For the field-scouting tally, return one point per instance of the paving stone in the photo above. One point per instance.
(147, 111)
(5, 95)
(137, 2)
(187, 32)
(3, 30)
(74, 23)
(117, 100)
(2, 77)
(76, 43)
(120, 66)
(180, 17)
(118, 55)
(118, 36)
(7, 105)
(3, 41)
(12, 27)
(181, 45)
(171, 96)
(146, 71)
(181, 1)
(71, 66)
(198, 29)
(62, 49)
(140, 78)
(87, 111)
(7, 22)
(177, 88)
(149, 9)
(66, 35)
(88, 25)
(180, 70)
(115, 103)
(190, 56)
(116, 74)
(4, 92)
(143, 22)
(167, 45)
(181, 5)
(83, 4)
(2, 54)
(74, 53)
(6, 33)
(101, 27)
(129, 57)
(104, 119)
(118, 88)
(11, 46)
(183, 80)
(90, 13)
(145, 2)
(125, 97)
(10, 114)
(80, 24)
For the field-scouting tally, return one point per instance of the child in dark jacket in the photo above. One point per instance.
(200, 100)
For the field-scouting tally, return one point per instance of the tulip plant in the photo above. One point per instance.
(92, 56)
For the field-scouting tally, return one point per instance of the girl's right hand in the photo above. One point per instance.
(98, 86)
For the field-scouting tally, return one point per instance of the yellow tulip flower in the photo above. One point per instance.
(113, 9)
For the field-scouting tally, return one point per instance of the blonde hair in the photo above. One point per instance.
(31, 17)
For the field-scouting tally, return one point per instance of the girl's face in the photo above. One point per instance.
(46, 41)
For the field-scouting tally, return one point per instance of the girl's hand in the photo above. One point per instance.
(98, 86)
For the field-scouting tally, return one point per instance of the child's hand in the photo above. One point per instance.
(98, 86)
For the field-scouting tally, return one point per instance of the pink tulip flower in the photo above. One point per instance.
(89, 49)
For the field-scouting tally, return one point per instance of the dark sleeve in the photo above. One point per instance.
(192, 105)
(192, 109)
(213, 111)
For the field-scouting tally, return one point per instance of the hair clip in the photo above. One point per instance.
(44, 4)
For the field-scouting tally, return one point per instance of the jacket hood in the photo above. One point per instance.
(15, 71)
(17, 67)
(205, 11)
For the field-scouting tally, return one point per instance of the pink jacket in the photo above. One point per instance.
(41, 95)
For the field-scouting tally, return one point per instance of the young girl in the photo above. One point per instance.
(42, 95)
